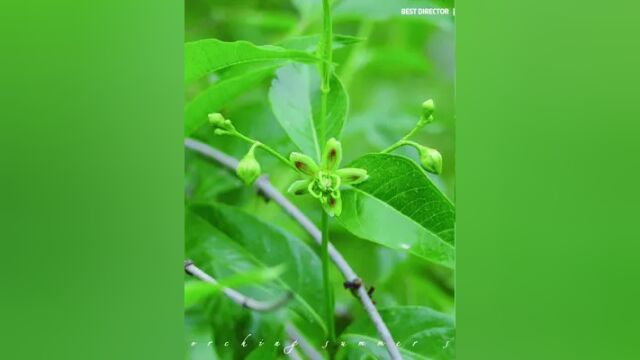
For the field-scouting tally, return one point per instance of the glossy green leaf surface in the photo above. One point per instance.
(399, 207)
(224, 241)
(218, 94)
(295, 101)
(206, 56)
(422, 333)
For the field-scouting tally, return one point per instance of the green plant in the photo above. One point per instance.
(383, 198)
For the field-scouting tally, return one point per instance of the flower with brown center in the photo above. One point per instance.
(323, 182)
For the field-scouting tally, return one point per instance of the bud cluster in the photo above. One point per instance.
(430, 159)
(223, 126)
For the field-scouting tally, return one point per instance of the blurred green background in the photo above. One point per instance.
(402, 61)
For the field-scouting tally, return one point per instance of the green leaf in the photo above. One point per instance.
(222, 241)
(310, 42)
(196, 343)
(220, 93)
(399, 207)
(196, 291)
(423, 333)
(206, 56)
(295, 100)
(308, 9)
(405, 61)
(204, 181)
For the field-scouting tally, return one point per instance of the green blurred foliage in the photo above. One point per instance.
(399, 62)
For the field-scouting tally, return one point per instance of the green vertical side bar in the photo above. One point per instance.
(91, 233)
(547, 180)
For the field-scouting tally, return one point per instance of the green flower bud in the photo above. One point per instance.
(220, 132)
(431, 159)
(304, 164)
(299, 187)
(217, 120)
(248, 169)
(352, 176)
(332, 155)
(428, 108)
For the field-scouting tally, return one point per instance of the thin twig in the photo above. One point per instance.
(271, 192)
(256, 305)
(235, 296)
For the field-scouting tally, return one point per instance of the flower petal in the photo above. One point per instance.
(336, 181)
(351, 176)
(299, 187)
(313, 189)
(332, 155)
(332, 203)
(304, 164)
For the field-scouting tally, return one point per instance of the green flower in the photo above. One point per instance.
(323, 182)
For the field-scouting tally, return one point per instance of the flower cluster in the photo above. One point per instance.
(323, 182)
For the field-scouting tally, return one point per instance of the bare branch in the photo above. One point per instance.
(271, 192)
(256, 305)
(235, 296)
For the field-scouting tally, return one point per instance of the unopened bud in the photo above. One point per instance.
(248, 168)
(431, 159)
(217, 120)
(428, 108)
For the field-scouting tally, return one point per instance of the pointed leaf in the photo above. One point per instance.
(399, 207)
(219, 94)
(295, 100)
(206, 56)
(225, 241)
(422, 333)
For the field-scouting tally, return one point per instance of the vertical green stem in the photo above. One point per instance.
(325, 52)
(328, 294)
